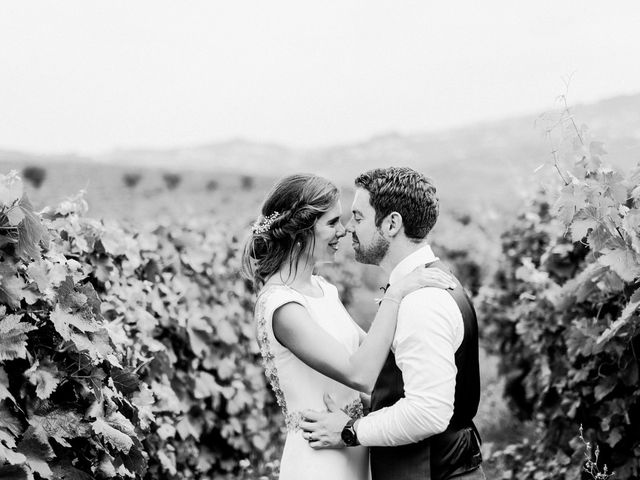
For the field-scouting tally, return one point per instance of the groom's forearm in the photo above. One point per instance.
(401, 424)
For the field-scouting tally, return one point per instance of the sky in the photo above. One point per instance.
(91, 76)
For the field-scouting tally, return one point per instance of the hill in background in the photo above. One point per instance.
(477, 167)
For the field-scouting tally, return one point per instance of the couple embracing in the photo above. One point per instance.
(419, 359)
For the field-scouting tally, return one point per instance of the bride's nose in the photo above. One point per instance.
(340, 230)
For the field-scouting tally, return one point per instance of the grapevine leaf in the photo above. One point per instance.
(113, 436)
(125, 381)
(583, 221)
(206, 385)
(624, 319)
(61, 425)
(84, 344)
(631, 375)
(581, 227)
(64, 292)
(96, 345)
(13, 338)
(134, 459)
(605, 388)
(31, 232)
(56, 272)
(122, 423)
(166, 431)
(168, 462)
(112, 242)
(69, 472)
(92, 299)
(44, 377)
(571, 200)
(144, 401)
(145, 321)
(9, 423)
(167, 398)
(14, 216)
(75, 204)
(600, 238)
(4, 383)
(7, 454)
(36, 448)
(199, 342)
(11, 188)
(623, 262)
(105, 467)
(10, 286)
(226, 368)
(61, 320)
(225, 332)
(188, 428)
(614, 437)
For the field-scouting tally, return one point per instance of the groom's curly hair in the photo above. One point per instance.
(402, 190)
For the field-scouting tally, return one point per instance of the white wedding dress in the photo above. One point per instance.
(298, 387)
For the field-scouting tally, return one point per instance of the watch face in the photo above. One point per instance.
(348, 436)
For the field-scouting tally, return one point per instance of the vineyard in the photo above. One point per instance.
(128, 352)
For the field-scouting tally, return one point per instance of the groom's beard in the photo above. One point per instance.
(371, 254)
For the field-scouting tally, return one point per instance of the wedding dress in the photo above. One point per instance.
(298, 387)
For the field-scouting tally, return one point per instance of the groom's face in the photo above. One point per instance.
(369, 244)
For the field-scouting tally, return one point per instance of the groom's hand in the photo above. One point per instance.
(323, 429)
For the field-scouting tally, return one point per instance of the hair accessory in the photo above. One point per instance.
(265, 224)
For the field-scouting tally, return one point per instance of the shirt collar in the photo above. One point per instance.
(411, 261)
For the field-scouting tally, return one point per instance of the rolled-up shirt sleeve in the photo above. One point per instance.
(429, 332)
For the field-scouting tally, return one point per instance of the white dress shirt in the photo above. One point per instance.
(430, 330)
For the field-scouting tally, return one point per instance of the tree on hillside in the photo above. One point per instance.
(247, 182)
(34, 175)
(172, 180)
(212, 185)
(131, 179)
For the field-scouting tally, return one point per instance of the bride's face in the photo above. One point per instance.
(327, 233)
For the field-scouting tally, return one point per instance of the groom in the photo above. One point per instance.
(423, 403)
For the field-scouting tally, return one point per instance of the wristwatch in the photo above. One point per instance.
(348, 434)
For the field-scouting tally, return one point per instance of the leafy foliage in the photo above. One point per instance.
(125, 354)
(563, 314)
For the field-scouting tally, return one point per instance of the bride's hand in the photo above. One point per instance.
(419, 278)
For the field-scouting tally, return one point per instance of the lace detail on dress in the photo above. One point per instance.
(268, 359)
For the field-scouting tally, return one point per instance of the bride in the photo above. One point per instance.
(309, 343)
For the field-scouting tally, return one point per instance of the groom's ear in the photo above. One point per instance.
(392, 225)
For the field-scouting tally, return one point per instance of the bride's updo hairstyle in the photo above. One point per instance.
(284, 229)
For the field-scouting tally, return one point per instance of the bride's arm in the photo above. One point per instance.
(294, 328)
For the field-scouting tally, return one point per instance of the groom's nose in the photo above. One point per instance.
(349, 226)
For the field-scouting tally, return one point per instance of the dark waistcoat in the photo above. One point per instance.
(453, 451)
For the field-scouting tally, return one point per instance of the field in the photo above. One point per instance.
(234, 204)
(546, 307)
